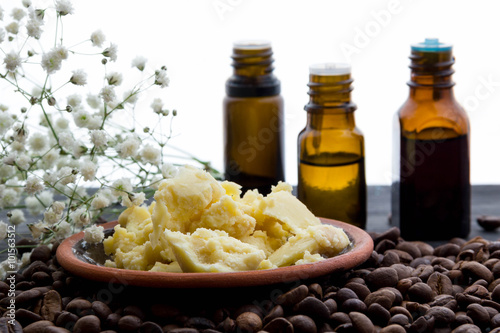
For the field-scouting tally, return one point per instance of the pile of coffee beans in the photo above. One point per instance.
(403, 287)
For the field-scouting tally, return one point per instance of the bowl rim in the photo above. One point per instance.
(360, 252)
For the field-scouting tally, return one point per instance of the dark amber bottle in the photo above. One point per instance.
(253, 119)
(431, 188)
(331, 154)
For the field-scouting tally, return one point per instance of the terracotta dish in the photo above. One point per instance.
(70, 258)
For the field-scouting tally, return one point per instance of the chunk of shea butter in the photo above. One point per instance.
(182, 200)
(208, 250)
(325, 240)
(282, 206)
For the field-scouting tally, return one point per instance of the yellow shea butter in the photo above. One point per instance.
(213, 251)
(198, 224)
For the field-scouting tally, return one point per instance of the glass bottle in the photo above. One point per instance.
(431, 187)
(253, 119)
(331, 149)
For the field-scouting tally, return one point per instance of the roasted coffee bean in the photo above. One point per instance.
(420, 292)
(316, 290)
(403, 271)
(87, 324)
(303, 324)
(80, 307)
(382, 277)
(293, 296)
(37, 327)
(201, 323)
(404, 257)
(359, 289)
(101, 310)
(394, 328)
(401, 310)
(51, 305)
(129, 323)
(399, 319)
(389, 259)
(467, 328)
(361, 323)
(478, 291)
(314, 308)
(378, 314)
(344, 294)
(489, 222)
(278, 325)
(355, 305)
(66, 319)
(442, 316)
(422, 324)
(339, 318)
(410, 248)
(392, 234)
(384, 297)
(384, 245)
(278, 311)
(423, 272)
(479, 315)
(28, 296)
(41, 253)
(476, 270)
(440, 284)
(447, 250)
(331, 305)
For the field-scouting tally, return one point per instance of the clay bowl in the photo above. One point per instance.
(362, 247)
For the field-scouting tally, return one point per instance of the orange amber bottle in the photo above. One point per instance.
(431, 186)
(253, 119)
(331, 152)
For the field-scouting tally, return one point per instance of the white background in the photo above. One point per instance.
(194, 40)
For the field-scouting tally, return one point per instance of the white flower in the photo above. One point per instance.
(3, 230)
(134, 199)
(26, 3)
(34, 28)
(9, 198)
(161, 78)
(50, 158)
(6, 122)
(100, 201)
(66, 175)
(2, 35)
(157, 105)
(63, 229)
(120, 186)
(20, 133)
(99, 138)
(66, 140)
(64, 7)
(150, 154)
(1, 13)
(97, 38)
(17, 217)
(114, 78)
(95, 122)
(81, 217)
(79, 77)
(37, 229)
(62, 124)
(169, 170)
(108, 94)
(12, 61)
(129, 147)
(23, 161)
(51, 62)
(12, 28)
(26, 259)
(61, 52)
(88, 169)
(33, 185)
(93, 101)
(81, 118)
(74, 100)
(131, 96)
(93, 234)
(57, 207)
(50, 217)
(36, 206)
(111, 52)
(18, 14)
(139, 62)
(38, 141)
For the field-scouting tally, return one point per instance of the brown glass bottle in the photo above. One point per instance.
(431, 186)
(253, 119)
(331, 149)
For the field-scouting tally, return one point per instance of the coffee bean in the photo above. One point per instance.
(344, 294)
(134, 310)
(399, 319)
(403, 271)
(410, 248)
(478, 291)
(28, 296)
(462, 319)
(80, 307)
(293, 296)
(339, 318)
(394, 328)
(129, 323)
(384, 245)
(278, 311)
(440, 284)
(489, 222)
(423, 272)
(420, 292)
(383, 297)
(390, 258)
(101, 310)
(404, 257)
(278, 325)
(467, 328)
(87, 324)
(478, 314)
(359, 289)
(425, 248)
(41, 253)
(361, 322)
(51, 305)
(112, 321)
(314, 308)
(401, 310)
(38, 326)
(442, 315)
(316, 290)
(382, 277)
(495, 321)
(66, 319)
(446, 250)
(331, 305)
(392, 234)
(378, 314)
(475, 271)
(54, 329)
(227, 325)
(303, 324)
(150, 327)
(422, 324)
(41, 279)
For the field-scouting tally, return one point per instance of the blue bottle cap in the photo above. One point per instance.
(431, 45)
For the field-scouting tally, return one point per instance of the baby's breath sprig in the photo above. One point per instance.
(66, 153)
